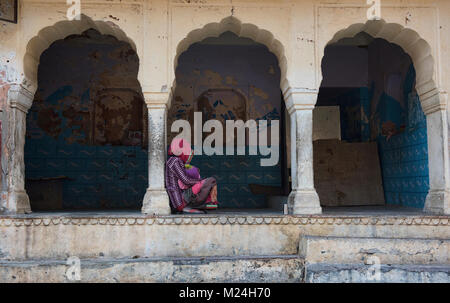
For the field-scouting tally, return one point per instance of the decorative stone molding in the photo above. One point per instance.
(60, 30)
(227, 220)
(409, 40)
(433, 101)
(300, 99)
(245, 30)
(20, 98)
(156, 100)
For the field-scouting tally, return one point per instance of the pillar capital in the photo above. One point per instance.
(156, 99)
(433, 100)
(300, 99)
(20, 98)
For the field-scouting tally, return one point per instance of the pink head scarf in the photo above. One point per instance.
(182, 149)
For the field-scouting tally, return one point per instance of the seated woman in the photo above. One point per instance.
(188, 193)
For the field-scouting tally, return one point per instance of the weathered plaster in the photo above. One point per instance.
(14, 197)
(38, 236)
(156, 200)
(275, 269)
(303, 198)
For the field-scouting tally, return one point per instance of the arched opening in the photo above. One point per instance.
(233, 78)
(86, 130)
(243, 30)
(370, 134)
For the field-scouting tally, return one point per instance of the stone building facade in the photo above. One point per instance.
(297, 33)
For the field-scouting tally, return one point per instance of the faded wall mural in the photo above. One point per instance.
(86, 129)
(230, 78)
(386, 110)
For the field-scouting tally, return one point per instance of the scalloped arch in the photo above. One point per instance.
(60, 30)
(409, 40)
(245, 30)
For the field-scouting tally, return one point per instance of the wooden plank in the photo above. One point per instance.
(347, 174)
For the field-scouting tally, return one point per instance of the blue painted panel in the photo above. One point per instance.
(95, 180)
(401, 134)
(404, 156)
(234, 174)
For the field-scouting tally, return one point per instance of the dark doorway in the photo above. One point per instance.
(86, 140)
(232, 78)
(380, 154)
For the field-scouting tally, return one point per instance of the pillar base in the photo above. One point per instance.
(304, 202)
(17, 202)
(438, 202)
(156, 202)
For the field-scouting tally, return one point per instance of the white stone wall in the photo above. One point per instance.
(302, 27)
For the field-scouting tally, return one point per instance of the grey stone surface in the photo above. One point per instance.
(358, 250)
(290, 269)
(156, 200)
(14, 197)
(217, 269)
(124, 235)
(342, 273)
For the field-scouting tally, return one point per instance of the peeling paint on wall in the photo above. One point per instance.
(86, 125)
(4, 88)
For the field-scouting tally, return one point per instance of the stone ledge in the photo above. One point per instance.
(6, 221)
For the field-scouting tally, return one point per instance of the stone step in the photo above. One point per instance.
(356, 273)
(365, 250)
(286, 268)
(216, 269)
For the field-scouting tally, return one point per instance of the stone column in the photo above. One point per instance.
(14, 198)
(156, 200)
(434, 105)
(303, 199)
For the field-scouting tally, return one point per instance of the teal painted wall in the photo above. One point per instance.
(387, 111)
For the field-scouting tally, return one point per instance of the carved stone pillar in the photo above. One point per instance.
(14, 198)
(434, 105)
(156, 200)
(303, 199)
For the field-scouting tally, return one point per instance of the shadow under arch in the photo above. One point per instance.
(432, 100)
(60, 30)
(244, 30)
(409, 40)
(87, 81)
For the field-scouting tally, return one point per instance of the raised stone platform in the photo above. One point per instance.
(246, 246)
(131, 234)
